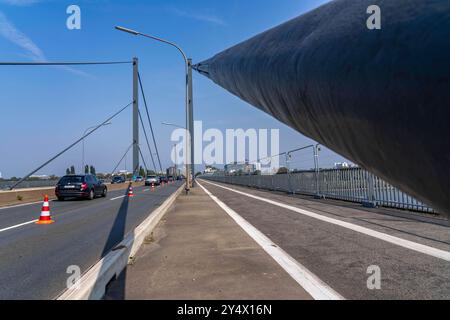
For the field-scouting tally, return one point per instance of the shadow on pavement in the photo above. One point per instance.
(117, 233)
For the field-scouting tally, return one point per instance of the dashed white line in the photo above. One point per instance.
(305, 278)
(434, 252)
(33, 221)
(18, 225)
(116, 198)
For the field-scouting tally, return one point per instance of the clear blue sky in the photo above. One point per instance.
(43, 109)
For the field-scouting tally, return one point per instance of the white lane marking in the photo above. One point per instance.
(434, 252)
(18, 225)
(117, 198)
(30, 222)
(305, 278)
(146, 190)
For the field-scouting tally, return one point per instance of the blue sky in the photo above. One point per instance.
(43, 109)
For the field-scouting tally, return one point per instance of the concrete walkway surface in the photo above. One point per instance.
(199, 252)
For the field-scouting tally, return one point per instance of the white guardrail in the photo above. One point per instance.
(352, 184)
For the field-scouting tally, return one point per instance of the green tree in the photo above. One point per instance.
(151, 173)
(142, 172)
(67, 171)
(72, 170)
(92, 170)
(103, 176)
(282, 170)
(86, 169)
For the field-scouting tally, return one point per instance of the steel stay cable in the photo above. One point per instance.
(150, 122)
(70, 147)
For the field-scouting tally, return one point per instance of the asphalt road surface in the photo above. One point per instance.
(326, 238)
(34, 259)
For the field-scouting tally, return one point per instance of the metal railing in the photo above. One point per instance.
(349, 184)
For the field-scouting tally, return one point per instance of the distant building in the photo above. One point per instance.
(341, 165)
(40, 177)
(172, 171)
(123, 173)
(210, 170)
(240, 169)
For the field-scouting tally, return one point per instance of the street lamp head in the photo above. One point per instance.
(127, 30)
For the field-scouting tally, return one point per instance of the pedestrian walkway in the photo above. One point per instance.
(199, 252)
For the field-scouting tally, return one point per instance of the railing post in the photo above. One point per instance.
(288, 158)
(317, 171)
(371, 201)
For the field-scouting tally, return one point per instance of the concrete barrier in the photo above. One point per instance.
(17, 197)
(92, 285)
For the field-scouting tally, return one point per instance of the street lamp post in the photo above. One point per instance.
(85, 132)
(176, 168)
(189, 107)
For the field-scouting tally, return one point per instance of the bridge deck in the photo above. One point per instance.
(201, 251)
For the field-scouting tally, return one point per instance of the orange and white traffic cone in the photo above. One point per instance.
(130, 192)
(45, 217)
(153, 187)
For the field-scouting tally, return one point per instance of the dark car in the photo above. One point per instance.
(163, 179)
(118, 180)
(80, 186)
(170, 178)
(152, 180)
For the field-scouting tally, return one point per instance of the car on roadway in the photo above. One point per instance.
(170, 178)
(163, 179)
(139, 179)
(152, 180)
(85, 186)
(118, 180)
